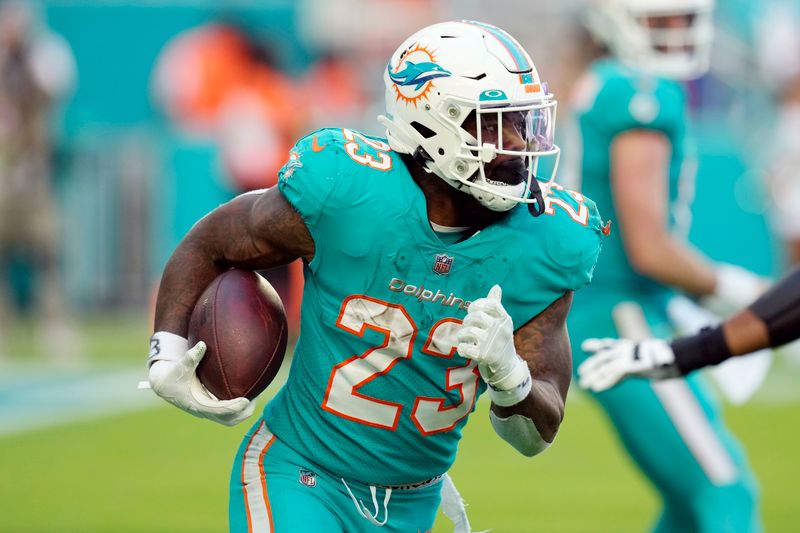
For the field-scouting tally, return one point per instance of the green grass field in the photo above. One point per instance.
(161, 470)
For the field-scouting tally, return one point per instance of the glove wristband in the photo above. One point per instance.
(513, 387)
(166, 346)
(708, 347)
(507, 398)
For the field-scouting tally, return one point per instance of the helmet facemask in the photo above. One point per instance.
(501, 146)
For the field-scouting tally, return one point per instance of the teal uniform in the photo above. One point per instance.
(673, 431)
(376, 395)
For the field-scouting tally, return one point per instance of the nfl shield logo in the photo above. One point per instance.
(308, 478)
(442, 264)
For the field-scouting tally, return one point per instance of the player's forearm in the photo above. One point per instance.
(544, 406)
(745, 333)
(772, 320)
(544, 344)
(672, 262)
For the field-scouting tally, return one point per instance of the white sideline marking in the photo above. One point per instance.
(35, 398)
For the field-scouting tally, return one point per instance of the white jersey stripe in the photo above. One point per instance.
(254, 482)
(692, 424)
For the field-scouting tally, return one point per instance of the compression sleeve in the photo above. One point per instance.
(779, 309)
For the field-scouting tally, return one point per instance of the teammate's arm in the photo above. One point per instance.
(772, 320)
(639, 163)
(254, 230)
(528, 371)
(639, 184)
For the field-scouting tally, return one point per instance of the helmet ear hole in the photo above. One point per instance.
(441, 151)
(470, 123)
(423, 130)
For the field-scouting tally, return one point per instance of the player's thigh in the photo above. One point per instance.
(268, 494)
(674, 434)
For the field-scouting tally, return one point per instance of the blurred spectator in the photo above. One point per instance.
(218, 82)
(334, 92)
(777, 47)
(36, 68)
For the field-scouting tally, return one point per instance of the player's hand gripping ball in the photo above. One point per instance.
(238, 337)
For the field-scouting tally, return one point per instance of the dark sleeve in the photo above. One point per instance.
(779, 309)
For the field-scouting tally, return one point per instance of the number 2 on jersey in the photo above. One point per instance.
(353, 149)
(342, 398)
(581, 215)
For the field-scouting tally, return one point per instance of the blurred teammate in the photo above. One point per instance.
(36, 68)
(631, 113)
(772, 320)
(402, 241)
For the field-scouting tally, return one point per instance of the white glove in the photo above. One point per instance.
(736, 289)
(616, 359)
(172, 376)
(487, 337)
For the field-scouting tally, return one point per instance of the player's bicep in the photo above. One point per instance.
(278, 227)
(639, 181)
(544, 344)
(254, 231)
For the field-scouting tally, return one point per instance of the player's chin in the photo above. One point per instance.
(481, 215)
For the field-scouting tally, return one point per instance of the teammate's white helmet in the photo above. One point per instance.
(460, 94)
(626, 27)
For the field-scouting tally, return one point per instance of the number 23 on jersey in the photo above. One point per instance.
(430, 415)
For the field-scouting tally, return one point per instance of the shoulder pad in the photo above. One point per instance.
(626, 99)
(574, 235)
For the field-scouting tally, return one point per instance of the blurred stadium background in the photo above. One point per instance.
(156, 111)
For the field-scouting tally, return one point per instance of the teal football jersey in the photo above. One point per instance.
(376, 391)
(609, 100)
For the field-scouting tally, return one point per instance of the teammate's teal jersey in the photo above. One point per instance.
(376, 392)
(609, 100)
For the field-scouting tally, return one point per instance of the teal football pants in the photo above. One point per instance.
(274, 489)
(674, 433)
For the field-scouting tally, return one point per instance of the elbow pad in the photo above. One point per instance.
(779, 309)
(520, 432)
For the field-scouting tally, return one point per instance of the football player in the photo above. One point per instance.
(770, 321)
(407, 242)
(630, 111)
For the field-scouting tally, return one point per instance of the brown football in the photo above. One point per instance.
(242, 321)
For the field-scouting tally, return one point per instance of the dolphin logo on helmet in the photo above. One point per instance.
(417, 74)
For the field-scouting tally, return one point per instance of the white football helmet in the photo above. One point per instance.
(461, 94)
(631, 30)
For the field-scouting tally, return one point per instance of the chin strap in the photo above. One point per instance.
(537, 208)
(422, 158)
